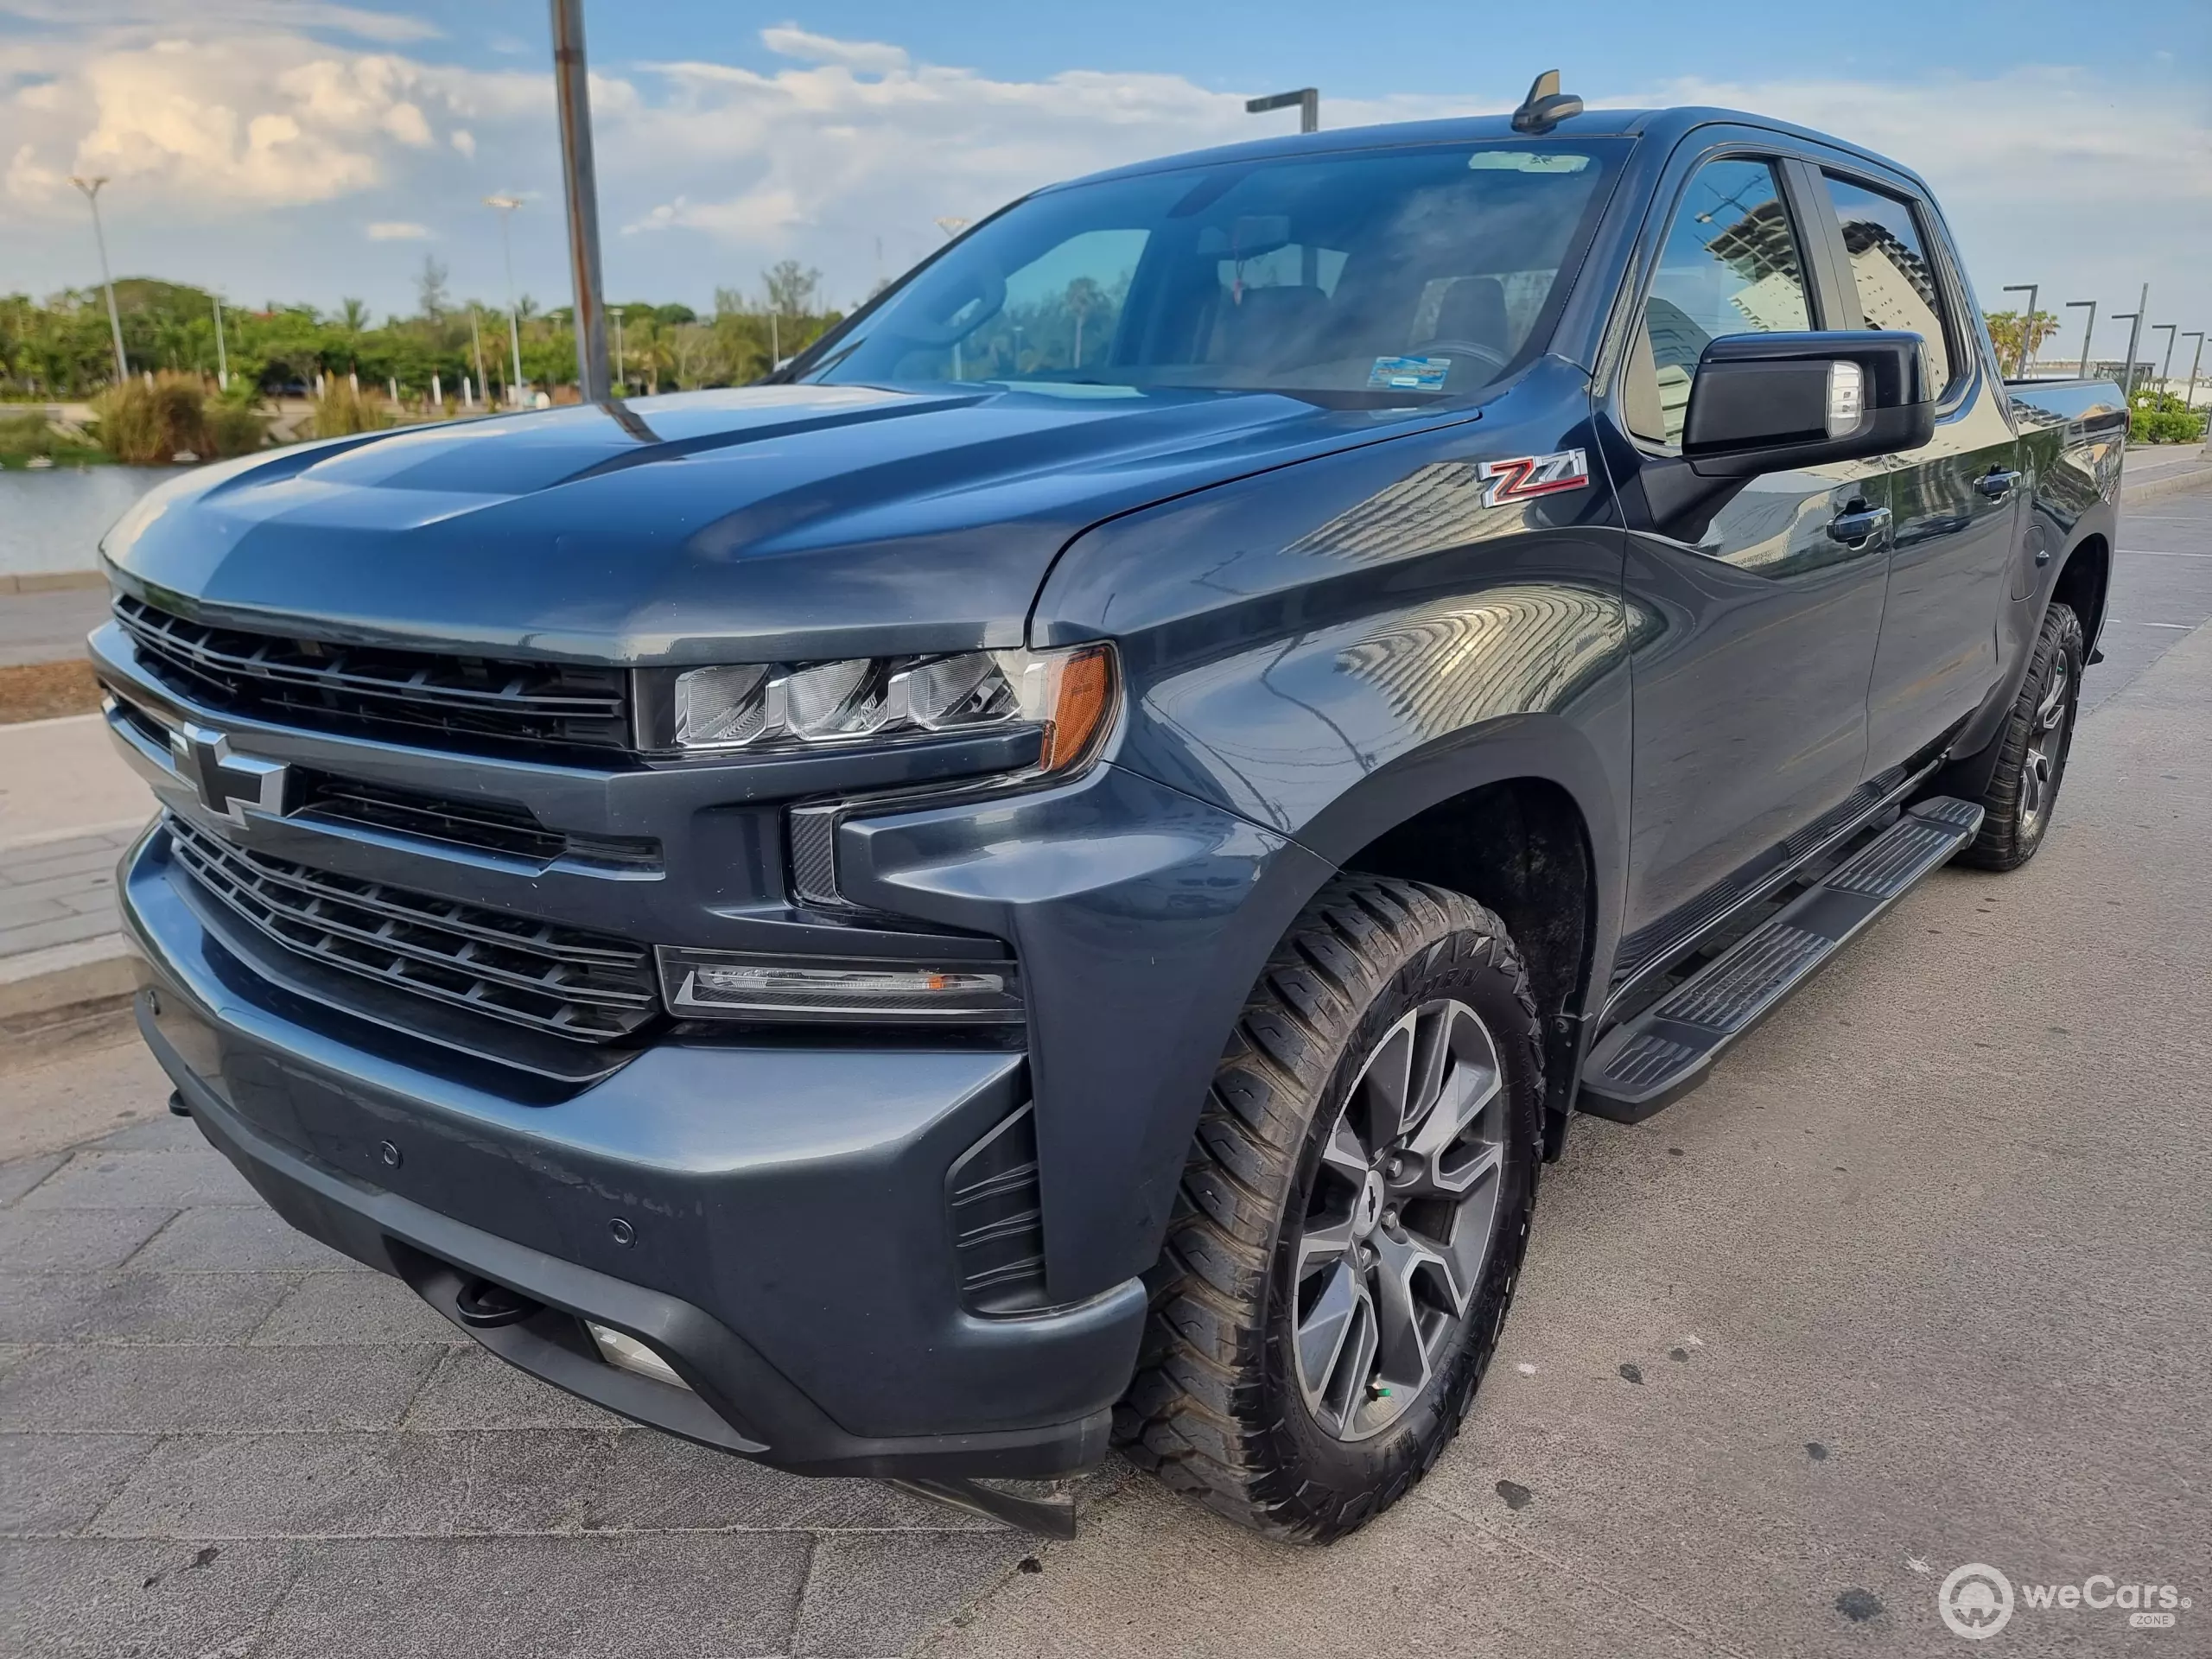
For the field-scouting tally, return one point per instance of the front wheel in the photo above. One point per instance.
(1351, 1219)
(2032, 749)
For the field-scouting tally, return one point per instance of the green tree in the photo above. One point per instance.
(791, 288)
(2016, 338)
(430, 291)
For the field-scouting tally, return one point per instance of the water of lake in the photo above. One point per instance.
(53, 521)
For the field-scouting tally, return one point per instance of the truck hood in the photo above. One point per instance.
(764, 523)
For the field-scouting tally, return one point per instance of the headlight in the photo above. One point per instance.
(737, 985)
(1068, 694)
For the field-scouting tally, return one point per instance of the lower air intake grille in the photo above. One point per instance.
(998, 1228)
(562, 980)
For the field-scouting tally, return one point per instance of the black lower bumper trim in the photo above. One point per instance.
(735, 1400)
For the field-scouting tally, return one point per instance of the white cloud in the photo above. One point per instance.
(870, 57)
(256, 141)
(396, 230)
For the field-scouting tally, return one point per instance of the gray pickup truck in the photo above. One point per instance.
(1050, 876)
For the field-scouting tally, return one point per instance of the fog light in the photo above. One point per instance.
(626, 1353)
(722, 984)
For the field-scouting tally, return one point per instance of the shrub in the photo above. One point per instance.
(2161, 418)
(233, 430)
(25, 437)
(22, 436)
(341, 410)
(151, 426)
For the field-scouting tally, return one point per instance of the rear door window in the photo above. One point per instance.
(1890, 267)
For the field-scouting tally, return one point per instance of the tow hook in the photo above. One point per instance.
(487, 1305)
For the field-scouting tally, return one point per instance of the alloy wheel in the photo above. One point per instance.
(2046, 755)
(1398, 1230)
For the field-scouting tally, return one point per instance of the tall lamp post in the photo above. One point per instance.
(574, 91)
(2166, 368)
(92, 189)
(2189, 397)
(2127, 370)
(1307, 98)
(2088, 333)
(506, 205)
(2027, 326)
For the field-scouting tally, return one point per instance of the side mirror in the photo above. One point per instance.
(1767, 403)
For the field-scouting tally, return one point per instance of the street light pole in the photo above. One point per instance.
(476, 349)
(2166, 368)
(2088, 333)
(222, 356)
(506, 205)
(2127, 369)
(2027, 324)
(574, 88)
(2135, 338)
(1307, 98)
(92, 189)
(2189, 397)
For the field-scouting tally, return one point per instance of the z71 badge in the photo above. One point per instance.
(1523, 478)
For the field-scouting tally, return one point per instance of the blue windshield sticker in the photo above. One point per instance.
(1410, 373)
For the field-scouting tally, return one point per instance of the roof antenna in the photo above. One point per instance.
(1546, 106)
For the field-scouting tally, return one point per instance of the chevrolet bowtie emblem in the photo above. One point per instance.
(227, 783)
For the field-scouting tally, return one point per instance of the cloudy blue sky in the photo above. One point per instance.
(291, 149)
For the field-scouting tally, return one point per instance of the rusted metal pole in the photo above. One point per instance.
(573, 92)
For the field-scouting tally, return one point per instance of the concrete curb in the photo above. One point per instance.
(47, 582)
(2164, 483)
(63, 977)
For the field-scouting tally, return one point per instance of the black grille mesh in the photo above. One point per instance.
(462, 699)
(562, 980)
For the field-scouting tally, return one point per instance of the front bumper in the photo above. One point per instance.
(783, 1238)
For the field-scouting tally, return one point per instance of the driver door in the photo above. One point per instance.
(1755, 616)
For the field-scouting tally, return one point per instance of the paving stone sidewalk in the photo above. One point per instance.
(59, 892)
(218, 1437)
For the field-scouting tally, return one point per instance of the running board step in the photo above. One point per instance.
(1653, 1059)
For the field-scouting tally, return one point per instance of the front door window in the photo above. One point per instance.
(1731, 265)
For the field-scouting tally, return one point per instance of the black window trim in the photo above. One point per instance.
(1967, 365)
(1818, 242)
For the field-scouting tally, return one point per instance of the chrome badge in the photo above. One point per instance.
(227, 783)
(1523, 478)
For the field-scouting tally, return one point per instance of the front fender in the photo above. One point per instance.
(1140, 916)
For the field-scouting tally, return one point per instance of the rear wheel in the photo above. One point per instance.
(1352, 1217)
(2032, 750)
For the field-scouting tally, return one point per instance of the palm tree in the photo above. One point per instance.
(352, 315)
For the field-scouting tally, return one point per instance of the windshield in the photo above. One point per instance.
(1379, 276)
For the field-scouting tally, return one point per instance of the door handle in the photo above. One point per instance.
(1996, 483)
(1853, 527)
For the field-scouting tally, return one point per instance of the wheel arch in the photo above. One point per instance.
(2084, 583)
(1525, 819)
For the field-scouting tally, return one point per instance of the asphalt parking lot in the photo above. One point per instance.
(1921, 1276)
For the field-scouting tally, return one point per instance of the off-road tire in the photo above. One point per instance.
(2009, 838)
(1215, 1411)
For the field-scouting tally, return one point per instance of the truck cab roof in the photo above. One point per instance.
(1665, 125)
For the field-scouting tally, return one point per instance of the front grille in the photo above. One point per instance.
(562, 980)
(486, 826)
(467, 701)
